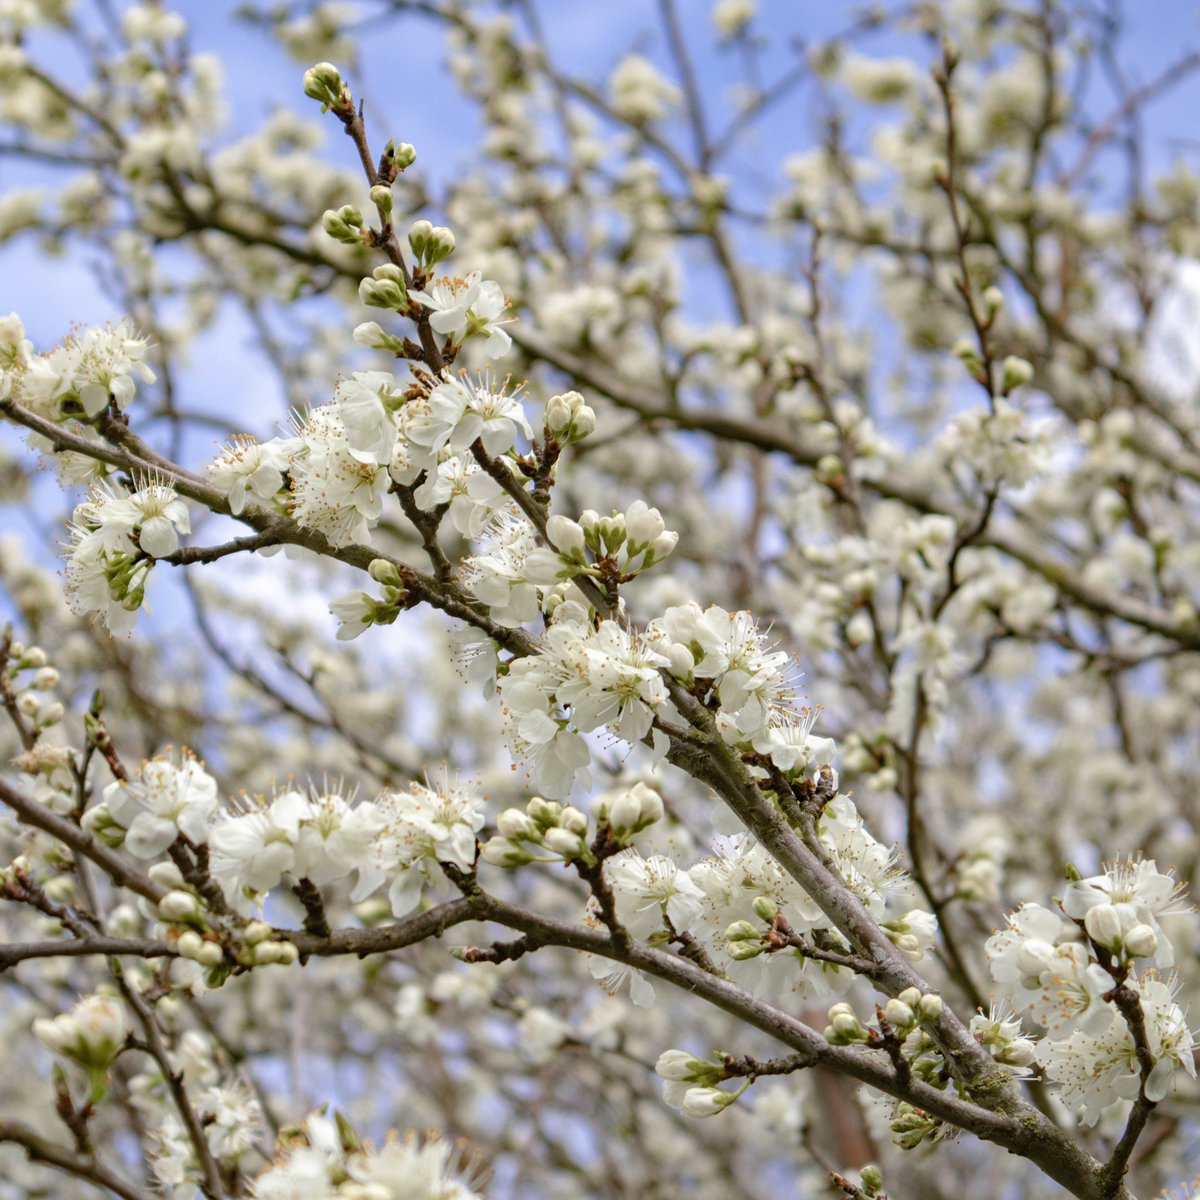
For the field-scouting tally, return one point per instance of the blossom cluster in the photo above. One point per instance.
(116, 536)
(1067, 971)
(253, 843)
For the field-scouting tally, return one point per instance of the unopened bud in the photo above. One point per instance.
(324, 83)
(402, 154)
(178, 906)
(381, 197)
(189, 944)
(385, 572)
(899, 1015)
(343, 224)
(210, 955)
(1141, 941)
(930, 1007)
(1016, 372)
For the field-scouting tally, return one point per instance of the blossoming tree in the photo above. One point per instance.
(522, 850)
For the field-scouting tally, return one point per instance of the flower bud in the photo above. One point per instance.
(166, 874)
(871, 1178)
(1103, 925)
(566, 536)
(1019, 1052)
(707, 1101)
(565, 843)
(268, 953)
(642, 524)
(52, 714)
(611, 531)
(765, 908)
(574, 820)
(91, 1034)
(910, 996)
(1016, 372)
(343, 224)
(440, 245)
(189, 944)
(29, 703)
(516, 825)
(899, 1015)
(633, 810)
(210, 955)
(741, 951)
(418, 237)
(930, 1007)
(324, 83)
(569, 418)
(993, 301)
(682, 1067)
(178, 906)
(544, 812)
(500, 852)
(384, 289)
(256, 932)
(381, 197)
(739, 931)
(402, 154)
(1141, 941)
(385, 572)
(45, 678)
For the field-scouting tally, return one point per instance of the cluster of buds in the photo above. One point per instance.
(690, 1084)
(630, 813)
(30, 702)
(92, 1034)
(569, 418)
(1119, 929)
(430, 243)
(324, 83)
(912, 1125)
(397, 156)
(911, 1009)
(360, 610)
(344, 224)
(385, 288)
(630, 542)
(745, 939)
(545, 832)
(912, 934)
(903, 1014)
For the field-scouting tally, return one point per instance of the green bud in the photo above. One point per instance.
(418, 238)
(500, 852)
(383, 293)
(438, 246)
(741, 931)
(381, 197)
(765, 908)
(401, 154)
(741, 951)
(324, 83)
(343, 224)
(1017, 372)
(385, 572)
(872, 1180)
